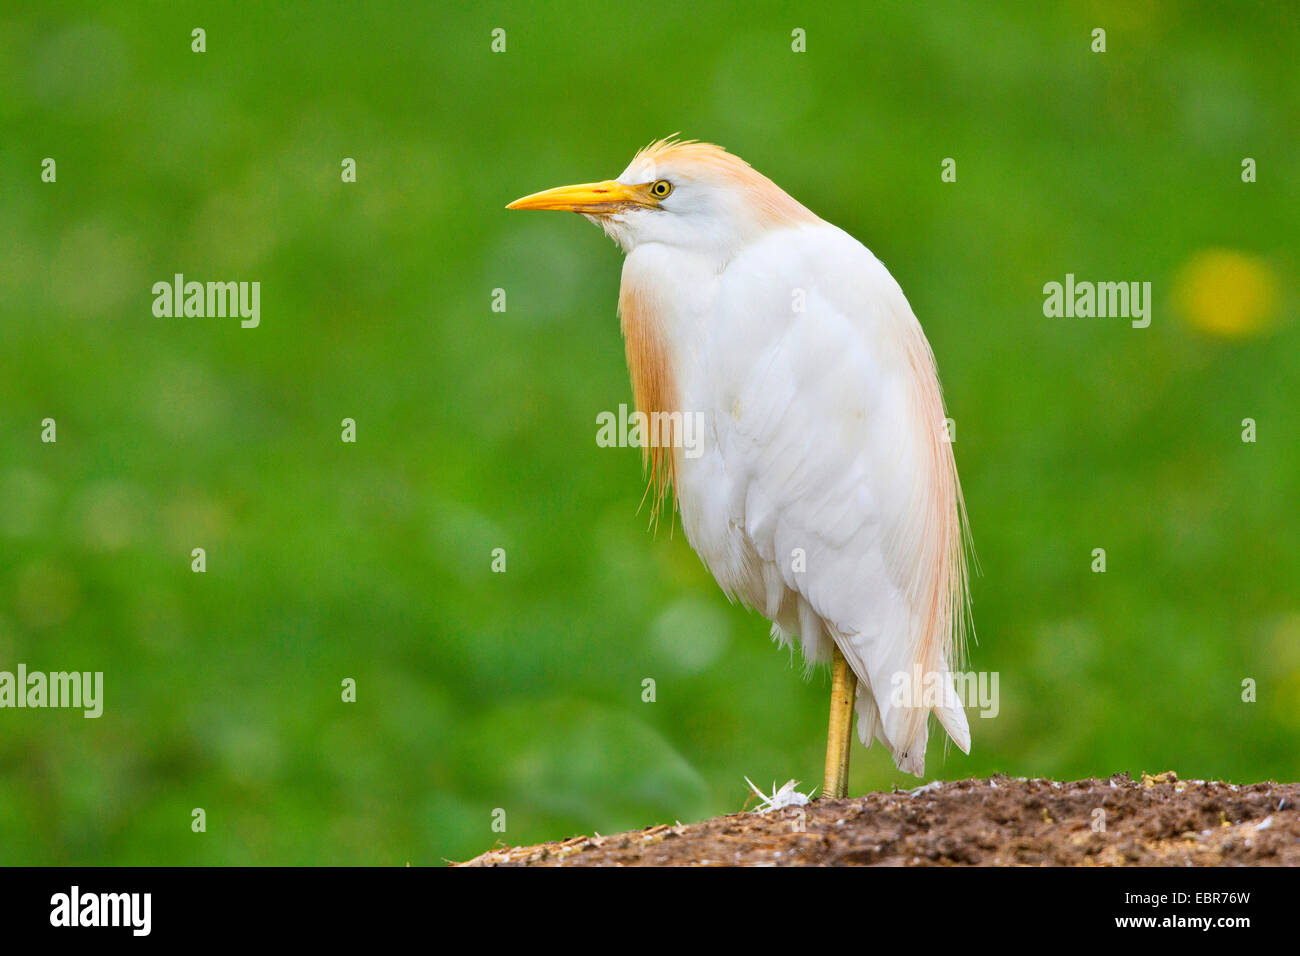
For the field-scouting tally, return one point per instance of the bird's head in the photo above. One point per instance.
(680, 193)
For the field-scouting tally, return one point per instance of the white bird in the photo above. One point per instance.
(823, 490)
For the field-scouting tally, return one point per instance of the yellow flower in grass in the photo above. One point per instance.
(1230, 294)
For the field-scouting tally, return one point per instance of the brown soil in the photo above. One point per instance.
(1155, 821)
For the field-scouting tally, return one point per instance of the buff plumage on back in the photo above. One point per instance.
(939, 588)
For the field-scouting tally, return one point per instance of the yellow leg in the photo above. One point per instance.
(840, 733)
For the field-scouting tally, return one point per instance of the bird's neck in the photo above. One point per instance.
(664, 297)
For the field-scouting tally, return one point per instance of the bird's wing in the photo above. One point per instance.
(830, 424)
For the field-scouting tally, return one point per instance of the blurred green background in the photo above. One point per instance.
(475, 429)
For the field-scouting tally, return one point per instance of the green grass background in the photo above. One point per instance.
(522, 690)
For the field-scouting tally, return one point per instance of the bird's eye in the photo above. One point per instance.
(661, 188)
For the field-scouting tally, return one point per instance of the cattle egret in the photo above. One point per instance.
(823, 491)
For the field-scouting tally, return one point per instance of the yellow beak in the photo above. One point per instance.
(590, 198)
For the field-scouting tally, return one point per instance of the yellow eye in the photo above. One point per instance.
(661, 188)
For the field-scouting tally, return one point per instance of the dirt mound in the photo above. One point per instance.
(1155, 821)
